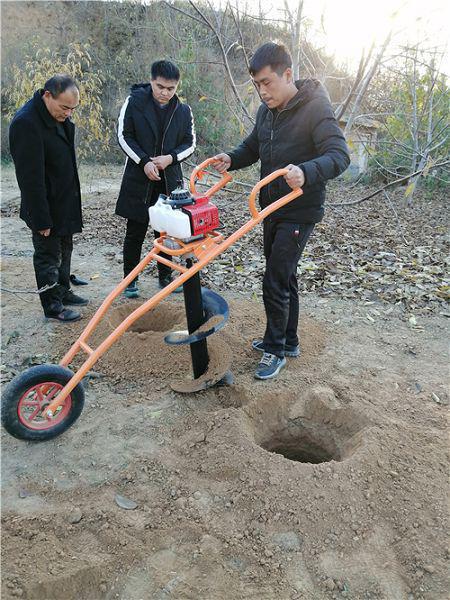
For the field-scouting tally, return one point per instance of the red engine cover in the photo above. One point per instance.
(203, 215)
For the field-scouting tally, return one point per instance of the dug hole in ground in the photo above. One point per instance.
(326, 483)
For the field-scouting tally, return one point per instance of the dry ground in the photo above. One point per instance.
(328, 482)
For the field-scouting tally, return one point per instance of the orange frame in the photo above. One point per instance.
(205, 250)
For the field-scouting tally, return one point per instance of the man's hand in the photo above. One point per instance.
(223, 162)
(161, 162)
(44, 232)
(295, 178)
(151, 170)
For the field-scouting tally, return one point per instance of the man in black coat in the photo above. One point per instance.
(295, 129)
(156, 132)
(41, 138)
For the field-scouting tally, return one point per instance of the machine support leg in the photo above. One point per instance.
(195, 318)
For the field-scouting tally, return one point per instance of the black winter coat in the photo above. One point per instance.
(138, 137)
(46, 169)
(305, 133)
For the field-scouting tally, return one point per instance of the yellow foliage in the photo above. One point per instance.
(42, 64)
(409, 190)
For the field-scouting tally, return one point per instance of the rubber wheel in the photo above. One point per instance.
(26, 396)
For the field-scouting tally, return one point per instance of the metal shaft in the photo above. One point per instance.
(195, 318)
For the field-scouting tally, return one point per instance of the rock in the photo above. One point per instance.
(429, 568)
(103, 588)
(75, 516)
(197, 495)
(125, 503)
(180, 502)
(329, 584)
(288, 541)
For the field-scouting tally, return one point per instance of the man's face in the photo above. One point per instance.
(63, 105)
(274, 89)
(163, 89)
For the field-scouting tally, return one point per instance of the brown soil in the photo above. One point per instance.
(326, 483)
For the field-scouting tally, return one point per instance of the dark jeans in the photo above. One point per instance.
(283, 247)
(51, 262)
(132, 248)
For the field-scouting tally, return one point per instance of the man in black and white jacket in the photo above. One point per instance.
(156, 132)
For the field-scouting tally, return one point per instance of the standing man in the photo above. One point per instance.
(295, 129)
(156, 132)
(41, 138)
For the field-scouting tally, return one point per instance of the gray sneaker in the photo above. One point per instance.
(290, 351)
(269, 366)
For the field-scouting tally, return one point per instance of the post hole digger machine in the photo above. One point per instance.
(45, 400)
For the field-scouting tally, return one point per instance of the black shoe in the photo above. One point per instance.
(291, 351)
(77, 281)
(71, 299)
(166, 280)
(67, 315)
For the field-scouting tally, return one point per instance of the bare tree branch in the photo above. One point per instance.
(205, 21)
(385, 187)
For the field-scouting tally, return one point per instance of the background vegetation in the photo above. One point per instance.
(108, 46)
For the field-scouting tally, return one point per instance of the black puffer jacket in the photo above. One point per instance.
(305, 133)
(46, 169)
(138, 137)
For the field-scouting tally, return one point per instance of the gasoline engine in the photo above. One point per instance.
(184, 216)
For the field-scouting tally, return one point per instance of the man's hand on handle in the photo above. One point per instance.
(44, 232)
(223, 162)
(295, 178)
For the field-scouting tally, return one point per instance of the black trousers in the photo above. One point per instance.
(51, 260)
(283, 247)
(132, 248)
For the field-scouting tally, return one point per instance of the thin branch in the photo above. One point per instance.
(353, 202)
(208, 23)
(183, 12)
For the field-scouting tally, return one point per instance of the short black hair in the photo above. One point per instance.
(271, 55)
(59, 83)
(166, 70)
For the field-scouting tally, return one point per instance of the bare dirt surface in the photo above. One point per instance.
(326, 483)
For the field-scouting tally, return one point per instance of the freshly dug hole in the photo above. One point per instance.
(311, 429)
(142, 354)
(163, 317)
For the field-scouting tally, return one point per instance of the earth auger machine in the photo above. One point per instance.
(43, 401)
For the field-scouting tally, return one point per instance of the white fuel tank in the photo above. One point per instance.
(173, 221)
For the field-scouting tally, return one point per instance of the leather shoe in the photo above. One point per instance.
(71, 299)
(67, 315)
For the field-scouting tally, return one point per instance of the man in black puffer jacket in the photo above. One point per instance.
(295, 129)
(156, 132)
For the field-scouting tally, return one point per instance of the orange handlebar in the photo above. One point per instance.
(282, 201)
(198, 173)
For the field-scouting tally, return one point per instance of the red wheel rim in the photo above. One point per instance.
(30, 408)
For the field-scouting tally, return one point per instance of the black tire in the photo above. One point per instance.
(15, 391)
